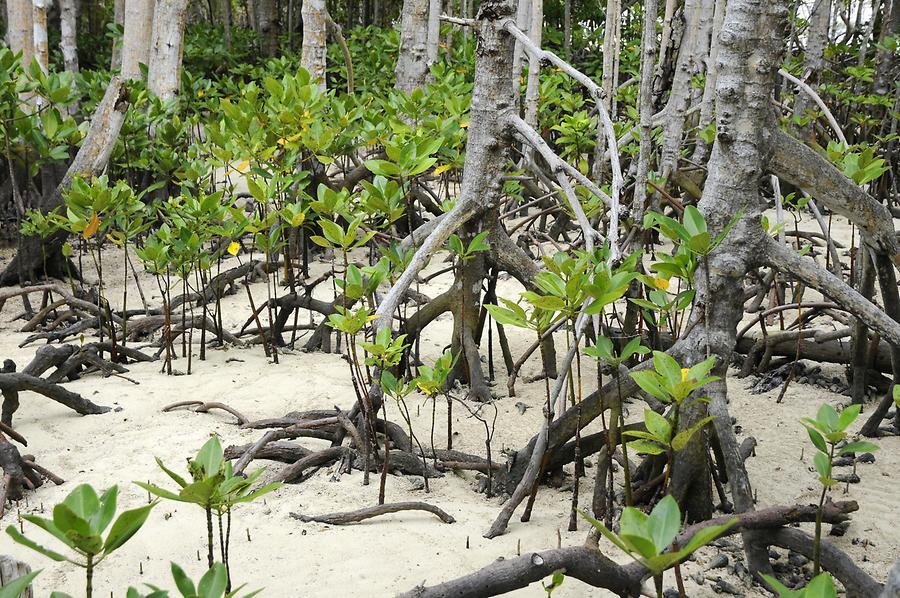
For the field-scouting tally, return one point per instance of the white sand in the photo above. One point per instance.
(383, 556)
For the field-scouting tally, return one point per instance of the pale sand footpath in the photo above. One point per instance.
(387, 555)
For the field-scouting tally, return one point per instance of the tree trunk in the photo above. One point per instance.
(412, 64)
(434, 31)
(68, 23)
(138, 21)
(20, 29)
(885, 58)
(119, 20)
(226, 22)
(314, 54)
(813, 57)
(39, 24)
(166, 49)
(267, 26)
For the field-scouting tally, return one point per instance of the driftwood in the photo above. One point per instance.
(376, 511)
(11, 384)
(590, 566)
(12, 569)
(204, 407)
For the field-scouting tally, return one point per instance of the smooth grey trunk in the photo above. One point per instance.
(138, 22)
(693, 51)
(707, 104)
(567, 29)
(814, 56)
(166, 48)
(645, 102)
(119, 19)
(885, 58)
(68, 24)
(434, 31)
(611, 51)
(20, 29)
(266, 21)
(39, 34)
(532, 92)
(523, 18)
(313, 55)
(412, 63)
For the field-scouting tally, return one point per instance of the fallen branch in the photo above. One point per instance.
(368, 512)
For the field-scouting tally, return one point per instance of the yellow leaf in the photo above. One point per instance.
(661, 283)
(684, 374)
(241, 166)
(464, 124)
(442, 168)
(234, 247)
(92, 227)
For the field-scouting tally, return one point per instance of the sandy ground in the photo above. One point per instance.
(384, 556)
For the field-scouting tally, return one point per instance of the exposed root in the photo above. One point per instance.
(376, 511)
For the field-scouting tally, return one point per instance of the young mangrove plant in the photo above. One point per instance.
(827, 431)
(649, 539)
(216, 489)
(79, 522)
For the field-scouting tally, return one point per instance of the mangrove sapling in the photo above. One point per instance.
(826, 432)
(488, 435)
(649, 539)
(604, 352)
(671, 384)
(79, 522)
(216, 489)
(432, 381)
(384, 354)
(213, 584)
(399, 390)
(820, 586)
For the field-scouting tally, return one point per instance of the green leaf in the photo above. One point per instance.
(693, 221)
(859, 447)
(74, 527)
(609, 535)
(665, 522)
(828, 418)
(823, 466)
(667, 367)
(382, 167)
(210, 456)
(647, 447)
(213, 582)
(125, 526)
(12, 531)
(682, 438)
(15, 587)
(182, 581)
(175, 477)
(160, 492)
(658, 425)
(816, 438)
(650, 383)
(848, 416)
(705, 536)
(83, 501)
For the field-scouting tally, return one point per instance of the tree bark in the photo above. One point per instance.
(412, 63)
(20, 28)
(166, 48)
(68, 23)
(138, 22)
(314, 53)
(267, 26)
